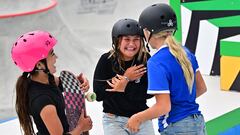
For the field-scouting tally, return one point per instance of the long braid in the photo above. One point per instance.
(22, 103)
(179, 53)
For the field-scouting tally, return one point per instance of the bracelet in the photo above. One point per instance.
(66, 134)
(126, 78)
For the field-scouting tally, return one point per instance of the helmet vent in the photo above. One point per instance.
(162, 16)
(21, 36)
(15, 44)
(154, 5)
(24, 40)
(15, 62)
(47, 43)
(128, 25)
(50, 36)
(31, 34)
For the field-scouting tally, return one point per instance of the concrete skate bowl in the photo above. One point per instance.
(21, 16)
(24, 7)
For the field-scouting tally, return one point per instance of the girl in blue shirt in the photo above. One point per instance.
(173, 75)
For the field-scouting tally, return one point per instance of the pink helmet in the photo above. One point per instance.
(31, 48)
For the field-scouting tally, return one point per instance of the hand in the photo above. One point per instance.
(135, 72)
(118, 84)
(133, 123)
(84, 124)
(84, 83)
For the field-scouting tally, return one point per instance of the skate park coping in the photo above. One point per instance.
(7, 9)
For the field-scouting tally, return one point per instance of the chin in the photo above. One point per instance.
(53, 71)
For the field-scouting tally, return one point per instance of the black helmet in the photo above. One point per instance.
(158, 17)
(126, 27)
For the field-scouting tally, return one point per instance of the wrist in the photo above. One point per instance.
(138, 117)
(67, 133)
(76, 131)
(126, 78)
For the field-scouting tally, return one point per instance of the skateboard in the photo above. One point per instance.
(74, 98)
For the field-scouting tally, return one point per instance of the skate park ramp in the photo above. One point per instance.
(83, 31)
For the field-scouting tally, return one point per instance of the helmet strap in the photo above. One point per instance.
(148, 41)
(174, 32)
(51, 79)
(26, 74)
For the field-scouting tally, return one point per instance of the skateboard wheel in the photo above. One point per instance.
(91, 97)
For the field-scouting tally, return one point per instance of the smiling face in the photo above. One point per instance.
(129, 46)
(51, 60)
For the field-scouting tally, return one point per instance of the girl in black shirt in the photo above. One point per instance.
(37, 91)
(120, 79)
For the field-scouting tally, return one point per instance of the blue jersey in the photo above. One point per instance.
(165, 75)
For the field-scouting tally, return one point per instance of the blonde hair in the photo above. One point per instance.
(179, 53)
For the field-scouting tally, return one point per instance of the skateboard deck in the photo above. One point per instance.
(74, 98)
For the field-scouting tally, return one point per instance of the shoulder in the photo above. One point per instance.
(161, 56)
(148, 55)
(188, 52)
(190, 55)
(105, 56)
(192, 58)
(38, 103)
(103, 62)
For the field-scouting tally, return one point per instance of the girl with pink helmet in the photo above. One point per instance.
(38, 91)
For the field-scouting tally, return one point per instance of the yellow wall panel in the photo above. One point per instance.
(229, 68)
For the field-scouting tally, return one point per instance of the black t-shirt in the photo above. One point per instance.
(126, 104)
(41, 95)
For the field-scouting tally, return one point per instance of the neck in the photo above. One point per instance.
(133, 61)
(124, 58)
(159, 42)
(128, 59)
(40, 77)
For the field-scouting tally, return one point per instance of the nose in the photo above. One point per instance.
(131, 42)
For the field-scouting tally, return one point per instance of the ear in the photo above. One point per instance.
(146, 33)
(40, 65)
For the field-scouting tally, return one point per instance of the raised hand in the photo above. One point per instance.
(84, 82)
(118, 84)
(135, 72)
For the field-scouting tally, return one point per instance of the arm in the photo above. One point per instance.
(51, 120)
(161, 107)
(102, 73)
(120, 82)
(54, 126)
(200, 84)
